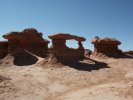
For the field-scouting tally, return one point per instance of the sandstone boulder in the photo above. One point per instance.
(106, 46)
(3, 49)
(62, 52)
(29, 39)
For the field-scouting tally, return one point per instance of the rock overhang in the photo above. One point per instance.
(8, 35)
(14, 34)
(66, 36)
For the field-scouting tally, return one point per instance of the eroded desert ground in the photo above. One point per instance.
(91, 79)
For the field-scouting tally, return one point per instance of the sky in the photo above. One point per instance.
(86, 18)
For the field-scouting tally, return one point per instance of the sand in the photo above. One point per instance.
(95, 79)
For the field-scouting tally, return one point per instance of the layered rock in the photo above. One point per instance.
(29, 39)
(3, 49)
(106, 46)
(64, 53)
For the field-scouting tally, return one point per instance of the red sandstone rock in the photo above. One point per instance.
(105, 41)
(106, 46)
(66, 37)
(29, 39)
(3, 49)
(64, 53)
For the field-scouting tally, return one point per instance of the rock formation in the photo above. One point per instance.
(128, 52)
(64, 53)
(3, 49)
(29, 39)
(87, 53)
(106, 46)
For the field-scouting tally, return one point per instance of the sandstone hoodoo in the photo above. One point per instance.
(106, 46)
(3, 49)
(29, 39)
(64, 53)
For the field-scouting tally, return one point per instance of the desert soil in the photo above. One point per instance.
(112, 81)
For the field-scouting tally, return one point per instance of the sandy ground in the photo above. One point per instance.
(97, 79)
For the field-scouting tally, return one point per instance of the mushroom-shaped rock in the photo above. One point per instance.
(106, 46)
(62, 52)
(29, 39)
(109, 41)
(3, 49)
(66, 37)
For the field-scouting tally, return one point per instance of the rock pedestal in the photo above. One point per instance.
(63, 53)
(106, 46)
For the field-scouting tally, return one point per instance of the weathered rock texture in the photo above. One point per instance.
(29, 39)
(3, 49)
(106, 46)
(64, 53)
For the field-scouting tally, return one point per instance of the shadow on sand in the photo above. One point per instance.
(79, 65)
(127, 56)
(24, 59)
